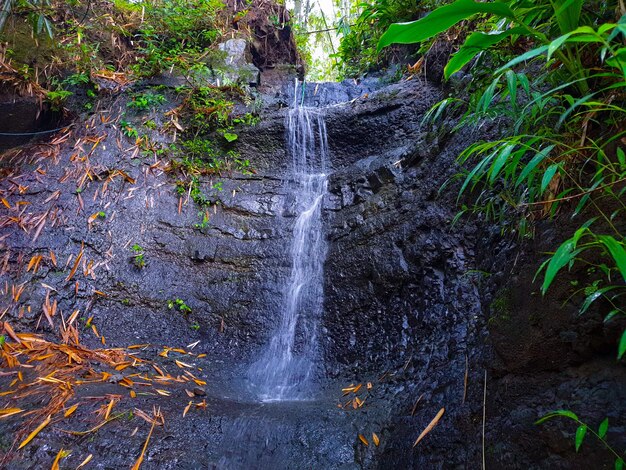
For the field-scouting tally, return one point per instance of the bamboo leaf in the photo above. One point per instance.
(536, 160)
(564, 254)
(32, 435)
(500, 161)
(440, 20)
(617, 252)
(511, 80)
(523, 58)
(557, 413)
(604, 427)
(548, 175)
(567, 13)
(85, 462)
(473, 45)
(580, 435)
(430, 426)
(591, 298)
(622, 346)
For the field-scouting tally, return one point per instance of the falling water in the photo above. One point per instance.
(286, 366)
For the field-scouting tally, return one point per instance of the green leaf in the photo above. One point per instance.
(594, 296)
(617, 252)
(523, 58)
(619, 464)
(440, 20)
(548, 175)
(523, 79)
(621, 158)
(612, 314)
(567, 13)
(474, 44)
(511, 80)
(622, 345)
(557, 413)
(487, 96)
(500, 161)
(230, 137)
(3, 340)
(562, 257)
(580, 435)
(604, 427)
(538, 158)
(556, 44)
(475, 171)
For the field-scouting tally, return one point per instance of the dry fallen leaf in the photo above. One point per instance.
(5, 412)
(375, 439)
(75, 267)
(70, 411)
(11, 332)
(32, 435)
(157, 415)
(363, 439)
(187, 409)
(430, 426)
(61, 455)
(85, 462)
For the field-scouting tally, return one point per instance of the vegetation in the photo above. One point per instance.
(581, 432)
(179, 305)
(138, 258)
(560, 74)
(361, 26)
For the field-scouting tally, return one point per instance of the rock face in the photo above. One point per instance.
(237, 64)
(23, 119)
(406, 309)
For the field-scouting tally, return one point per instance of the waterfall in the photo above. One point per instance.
(285, 367)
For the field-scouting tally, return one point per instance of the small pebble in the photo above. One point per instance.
(199, 392)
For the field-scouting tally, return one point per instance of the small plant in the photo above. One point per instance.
(138, 257)
(150, 124)
(2, 340)
(77, 79)
(204, 217)
(195, 326)
(230, 136)
(144, 101)
(128, 130)
(58, 98)
(126, 302)
(179, 305)
(581, 432)
(247, 119)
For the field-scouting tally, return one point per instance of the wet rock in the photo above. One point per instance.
(411, 303)
(24, 119)
(199, 392)
(116, 378)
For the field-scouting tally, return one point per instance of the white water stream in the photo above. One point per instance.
(286, 366)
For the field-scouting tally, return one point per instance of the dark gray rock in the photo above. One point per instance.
(405, 309)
